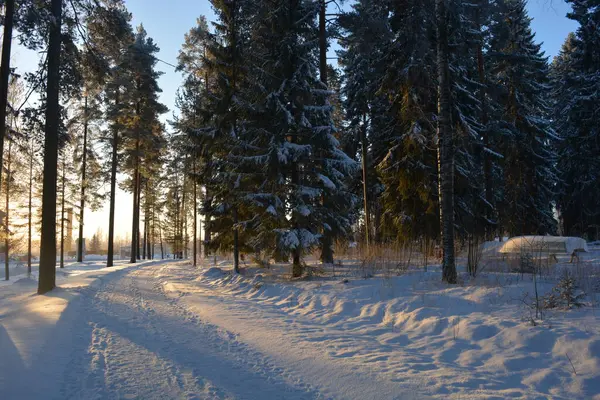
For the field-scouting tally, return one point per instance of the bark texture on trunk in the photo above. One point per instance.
(62, 215)
(9, 7)
(113, 190)
(83, 181)
(184, 234)
(139, 211)
(207, 233)
(364, 152)
(29, 210)
(445, 145)
(487, 159)
(327, 242)
(47, 277)
(236, 250)
(135, 213)
(7, 215)
(195, 215)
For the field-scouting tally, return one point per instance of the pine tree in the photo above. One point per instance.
(47, 277)
(142, 136)
(9, 11)
(109, 37)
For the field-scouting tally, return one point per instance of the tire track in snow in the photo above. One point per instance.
(145, 345)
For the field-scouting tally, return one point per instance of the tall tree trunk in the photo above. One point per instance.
(144, 238)
(445, 144)
(9, 6)
(176, 234)
(134, 233)
(195, 214)
(7, 215)
(113, 191)
(364, 148)
(83, 181)
(138, 214)
(184, 234)
(152, 233)
(29, 208)
(148, 217)
(207, 199)
(327, 242)
(377, 223)
(47, 278)
(323, 41)
(297, 268)
(62, 215)
(162, 249)
(487, 158)
(236, 244)
(207, 233)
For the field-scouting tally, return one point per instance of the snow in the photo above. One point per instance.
(408, 334)
(161, 330)
(544, 244)
(271, 210)
(326, 181)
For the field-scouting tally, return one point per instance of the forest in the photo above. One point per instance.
(438, 123)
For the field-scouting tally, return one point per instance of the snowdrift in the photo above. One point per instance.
(466, 341)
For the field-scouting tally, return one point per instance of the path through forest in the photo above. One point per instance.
(123, 337)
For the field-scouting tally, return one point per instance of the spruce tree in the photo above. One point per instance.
(519, 84)
(407, 128)
(366, 37)
(294, 155)
(222, 127)
(576, 95)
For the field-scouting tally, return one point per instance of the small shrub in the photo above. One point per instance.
(550, 301)
(568, 293)
(526, 264)
(314, 270)
(474, 256)
(260, 261)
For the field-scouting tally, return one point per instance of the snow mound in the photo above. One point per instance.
(213, 272)
(415, 326)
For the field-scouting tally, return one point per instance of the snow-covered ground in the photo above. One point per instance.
(18, 269)
(161, 330)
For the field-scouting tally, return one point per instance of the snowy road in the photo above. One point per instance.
(124, 338)
(165, 330)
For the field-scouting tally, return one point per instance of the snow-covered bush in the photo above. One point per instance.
(566, 294)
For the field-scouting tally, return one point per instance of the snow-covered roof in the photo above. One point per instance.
(543, 245)
(490, 248)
